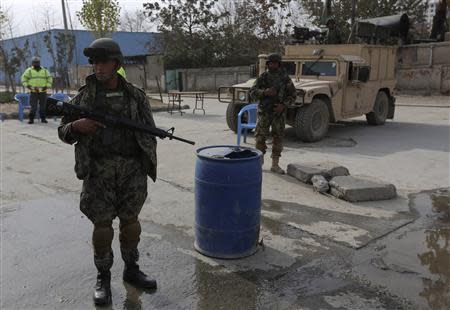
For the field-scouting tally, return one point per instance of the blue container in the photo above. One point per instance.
(227, 201)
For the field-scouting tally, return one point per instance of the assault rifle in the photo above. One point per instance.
(117, 122)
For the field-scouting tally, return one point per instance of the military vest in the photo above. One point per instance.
(109, 140)
(278, 80)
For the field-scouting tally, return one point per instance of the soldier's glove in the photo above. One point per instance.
(279, 108)
(86, 126)
(270, 92)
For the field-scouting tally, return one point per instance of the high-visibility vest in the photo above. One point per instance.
(37, 78)
(121, 71)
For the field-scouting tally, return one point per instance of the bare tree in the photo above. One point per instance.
(44, 18)
(12, 58)
(135, 21)
(9, 65)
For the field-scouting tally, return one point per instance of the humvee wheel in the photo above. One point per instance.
(380, 110)
(312, 121)
(232, 114)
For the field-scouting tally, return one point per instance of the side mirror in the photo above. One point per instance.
(363, 74)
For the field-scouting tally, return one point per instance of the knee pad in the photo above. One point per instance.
(102, 237)
(130, 231)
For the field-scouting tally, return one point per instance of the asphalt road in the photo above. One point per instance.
(319, 253)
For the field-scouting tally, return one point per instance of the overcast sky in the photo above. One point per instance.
(27, 14)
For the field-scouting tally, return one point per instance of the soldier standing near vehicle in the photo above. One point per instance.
(113, 163)
(37, 79)
(275, 92)
(333, 34)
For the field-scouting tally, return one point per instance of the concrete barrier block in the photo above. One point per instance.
(305, 171)
(359, 188)
(320, 184)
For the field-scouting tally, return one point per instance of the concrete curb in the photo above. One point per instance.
(423, 106)
(15, 115)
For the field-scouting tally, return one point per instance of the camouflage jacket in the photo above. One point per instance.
(286, 92)
(140, 112)
(333, 37)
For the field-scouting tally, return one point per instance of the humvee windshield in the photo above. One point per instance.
(289, 66)
(320, 68)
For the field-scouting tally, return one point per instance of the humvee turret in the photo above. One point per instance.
(333, 82)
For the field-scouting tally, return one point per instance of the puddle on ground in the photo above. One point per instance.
(437, 259)
(417, 258)
(441, 203)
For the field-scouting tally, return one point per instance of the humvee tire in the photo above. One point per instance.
(380, 110)
(232, 114)
(312, 121)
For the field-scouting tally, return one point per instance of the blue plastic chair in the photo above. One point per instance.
(60, 97)
(251, 110)
(24, 103)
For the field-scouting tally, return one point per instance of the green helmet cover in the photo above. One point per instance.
(104, 48)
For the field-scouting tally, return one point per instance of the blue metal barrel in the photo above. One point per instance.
(227, 201)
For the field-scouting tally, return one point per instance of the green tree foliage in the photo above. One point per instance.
(341, 10)
(100, 16)
(201, 33)
(187, 28)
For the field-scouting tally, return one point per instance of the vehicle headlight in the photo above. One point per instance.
(242, 95)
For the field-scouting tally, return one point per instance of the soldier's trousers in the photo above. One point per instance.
(267, 121)
(115, 187)
(41, 99)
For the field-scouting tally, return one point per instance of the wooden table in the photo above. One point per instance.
(175, 100)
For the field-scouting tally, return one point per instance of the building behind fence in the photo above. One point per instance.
(142, 52)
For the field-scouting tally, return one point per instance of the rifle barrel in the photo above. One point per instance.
(119, 122)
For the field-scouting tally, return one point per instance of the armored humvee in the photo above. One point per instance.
(333, 82)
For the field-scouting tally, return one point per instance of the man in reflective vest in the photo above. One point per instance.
(122, 72)
(37, 79)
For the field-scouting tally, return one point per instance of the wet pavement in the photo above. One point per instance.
(316, 252)
(415, 261)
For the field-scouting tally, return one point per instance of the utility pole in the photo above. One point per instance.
(66, 40)
(64, 15)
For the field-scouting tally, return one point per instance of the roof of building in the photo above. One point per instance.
(131, 43)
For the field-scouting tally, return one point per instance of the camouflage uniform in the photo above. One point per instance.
(333, 37)
(267, 118)
(114, 165)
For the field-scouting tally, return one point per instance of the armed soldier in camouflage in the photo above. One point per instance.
(113, 164)
(333, 34)
(275, 92)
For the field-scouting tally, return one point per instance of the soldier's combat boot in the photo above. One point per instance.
(132, 274)
(102, 292)
(275, 167)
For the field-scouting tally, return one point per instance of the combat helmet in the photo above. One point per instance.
(330, 20)
(274, 57)
(104, 48)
